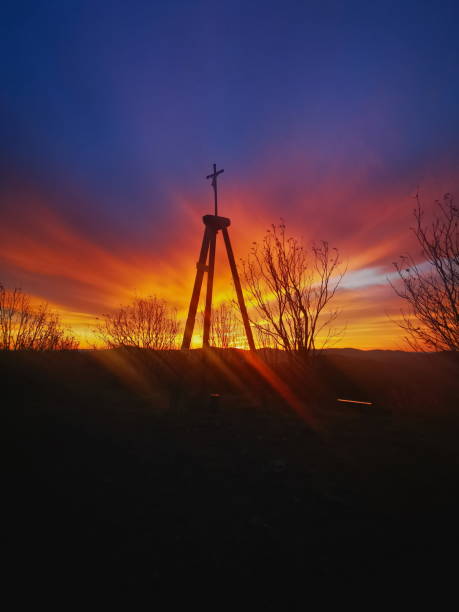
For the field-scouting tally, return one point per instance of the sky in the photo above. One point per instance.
(329, 115)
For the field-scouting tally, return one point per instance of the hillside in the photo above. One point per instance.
(144, 467)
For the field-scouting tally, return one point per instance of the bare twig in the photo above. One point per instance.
(290, 289)
(25, 327)
(145, 323)
(431, 289)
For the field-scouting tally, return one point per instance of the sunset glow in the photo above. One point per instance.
(103, 186)
(83, 276)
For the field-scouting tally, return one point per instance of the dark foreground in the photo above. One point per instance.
(124, 471)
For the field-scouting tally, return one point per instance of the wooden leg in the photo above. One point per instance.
(210, 283)
(200, 269)
(237, 284)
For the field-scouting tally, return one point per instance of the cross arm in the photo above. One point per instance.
(214, 174)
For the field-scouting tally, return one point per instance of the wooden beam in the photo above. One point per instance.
(210, 284)
(200, 269)
(237, 285)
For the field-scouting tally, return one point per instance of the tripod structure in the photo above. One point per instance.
(206, 263)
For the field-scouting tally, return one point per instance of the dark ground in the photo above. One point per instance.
(124, 470)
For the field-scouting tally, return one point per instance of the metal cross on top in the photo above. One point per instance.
(213, 176)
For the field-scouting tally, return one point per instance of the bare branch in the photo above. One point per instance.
(24, 327)
(431, 289)
(289, 290)
(145, 323)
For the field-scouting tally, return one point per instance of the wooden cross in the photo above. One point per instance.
(213, 224)
(213, 176)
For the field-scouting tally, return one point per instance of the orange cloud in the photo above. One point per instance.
(83, 276)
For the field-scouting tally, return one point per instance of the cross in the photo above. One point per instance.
(213, 176)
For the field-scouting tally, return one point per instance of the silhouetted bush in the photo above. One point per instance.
(145, 323)
(27, 327)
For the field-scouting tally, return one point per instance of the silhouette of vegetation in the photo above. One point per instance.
(290, 289)
(27, 327)
(145, 323)
(264, 339)
(226, 328)
(431, 288)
